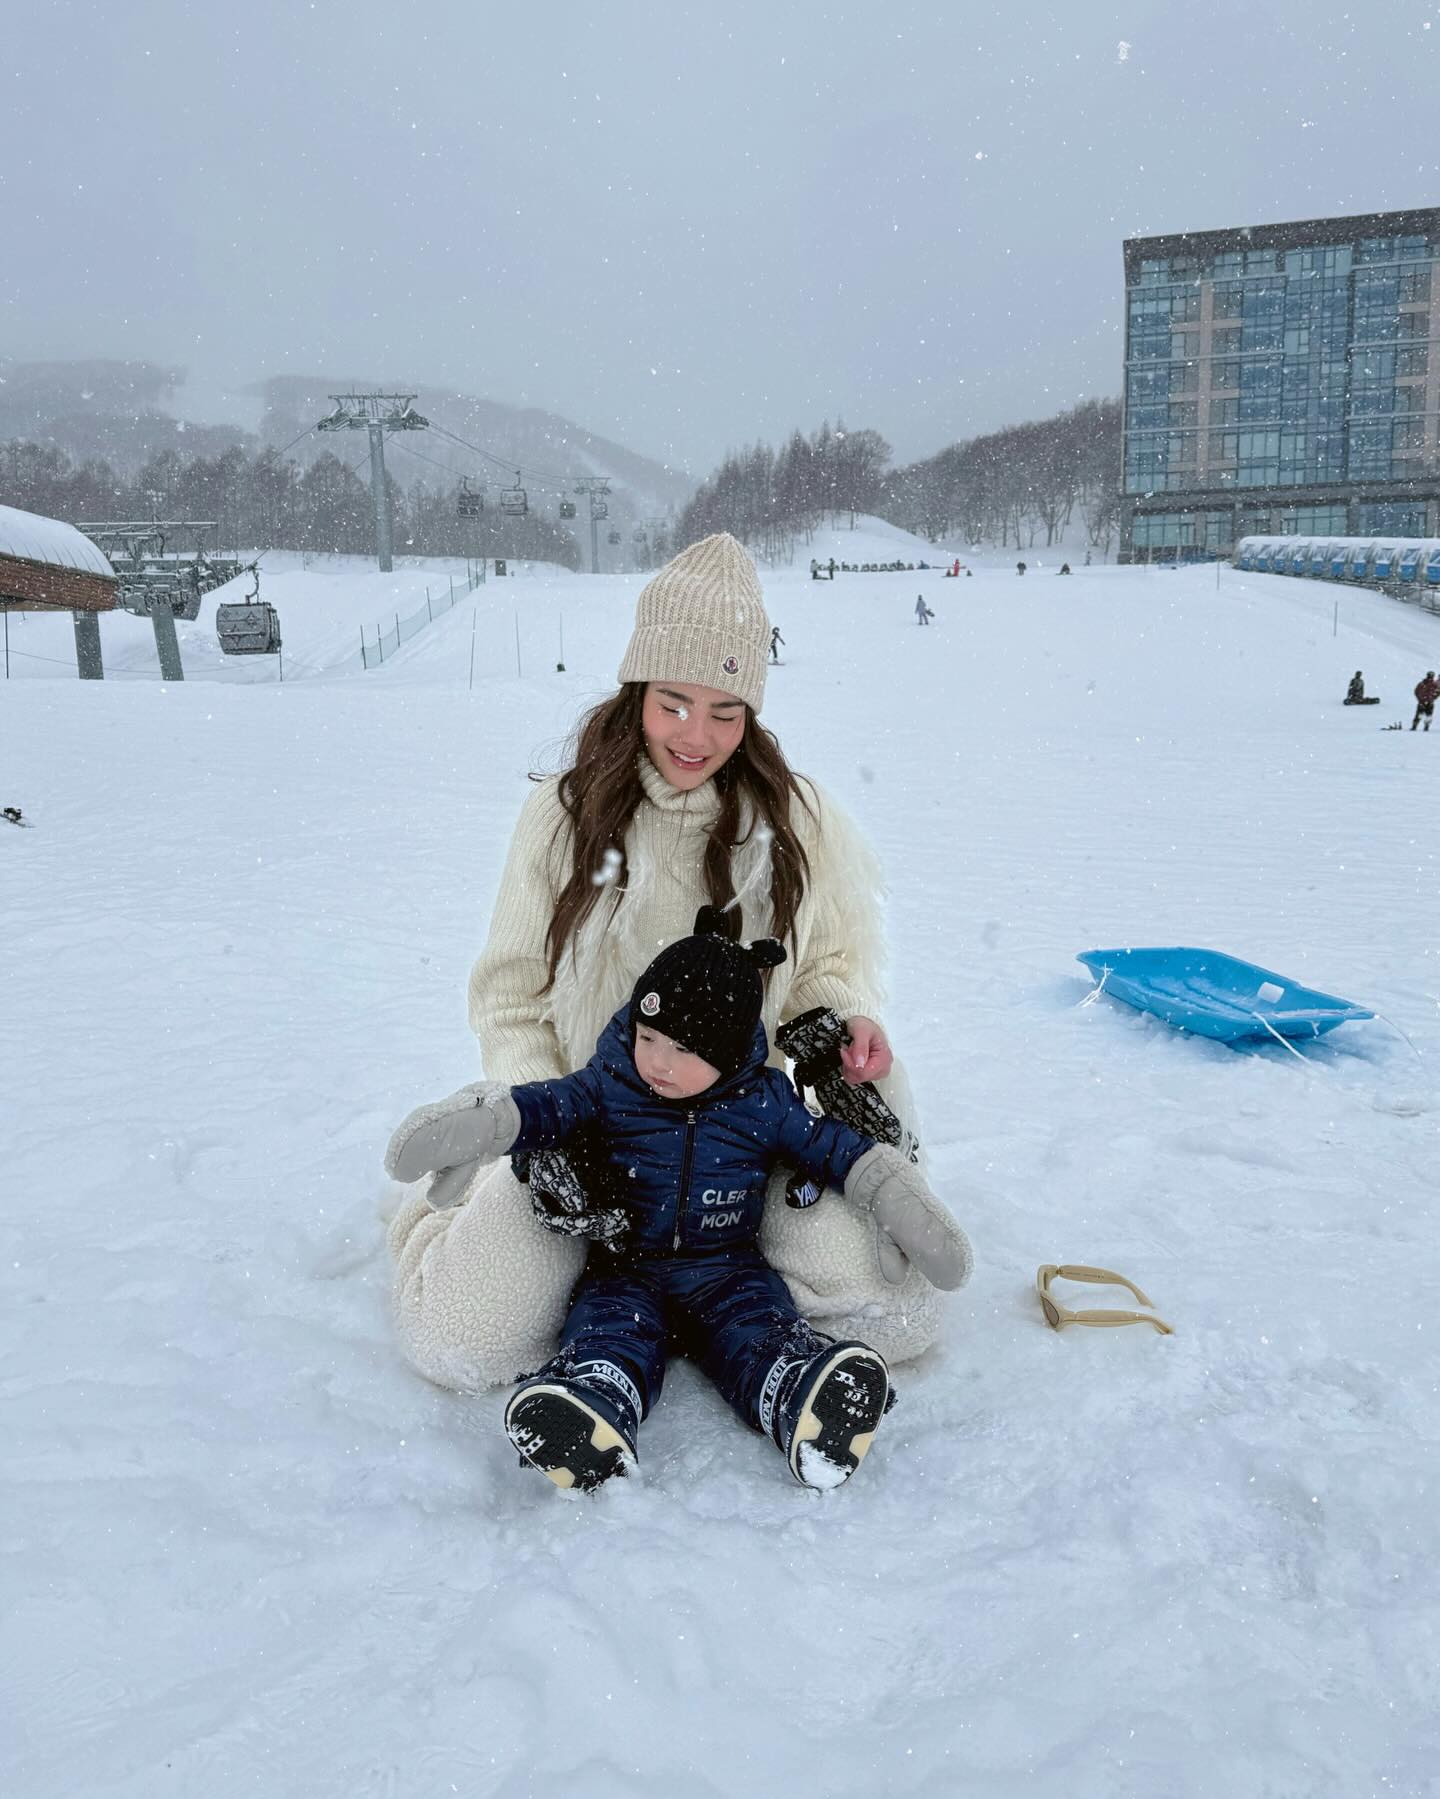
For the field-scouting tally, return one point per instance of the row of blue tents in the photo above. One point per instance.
(1397, 561)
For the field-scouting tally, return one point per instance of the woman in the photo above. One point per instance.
(676, 797)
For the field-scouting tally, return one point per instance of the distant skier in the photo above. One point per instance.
(775, 641)
(832, 571)
(1019, 568)
(1426, 694)
(923, 614)
(1355, 692)
(1064, 568)
(814, 568)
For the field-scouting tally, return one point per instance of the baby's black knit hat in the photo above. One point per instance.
(705, 991)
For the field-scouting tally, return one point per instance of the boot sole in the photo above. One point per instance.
(837, 1422)
(560, 1435)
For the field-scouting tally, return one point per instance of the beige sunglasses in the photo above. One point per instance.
(1057, 1315)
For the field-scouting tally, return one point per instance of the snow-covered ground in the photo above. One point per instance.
(247, 1552)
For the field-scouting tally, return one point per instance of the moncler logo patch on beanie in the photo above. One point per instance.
(705, 992)
(702, 619)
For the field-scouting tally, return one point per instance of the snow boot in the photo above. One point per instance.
(577, 1424)
(827, 1412)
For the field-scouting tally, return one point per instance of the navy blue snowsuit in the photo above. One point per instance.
(692, 1173)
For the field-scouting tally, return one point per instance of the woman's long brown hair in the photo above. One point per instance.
(601, 793)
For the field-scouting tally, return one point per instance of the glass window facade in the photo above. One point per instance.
(1316, 521)
(1298, 367)
(1394, 519)
(1199, 532)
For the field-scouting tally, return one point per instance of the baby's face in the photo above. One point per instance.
(673, 1072)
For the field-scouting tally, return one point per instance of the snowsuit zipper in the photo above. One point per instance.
(684, 1176)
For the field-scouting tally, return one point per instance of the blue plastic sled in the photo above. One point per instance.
(1216, 995)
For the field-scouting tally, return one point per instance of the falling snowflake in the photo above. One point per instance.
(1124, 51)
(609, 870)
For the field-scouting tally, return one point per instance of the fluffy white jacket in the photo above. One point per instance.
(481, 1289)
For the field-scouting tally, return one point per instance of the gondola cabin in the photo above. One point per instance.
(248, 628)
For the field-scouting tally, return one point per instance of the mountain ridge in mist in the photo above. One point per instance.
(126, 412)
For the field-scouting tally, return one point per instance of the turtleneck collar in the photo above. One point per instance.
(697, 805)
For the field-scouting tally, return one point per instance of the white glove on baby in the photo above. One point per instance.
(452, 1137)
(910, 1217)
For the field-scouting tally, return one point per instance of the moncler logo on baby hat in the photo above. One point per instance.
(731, 665)
(650, 1005)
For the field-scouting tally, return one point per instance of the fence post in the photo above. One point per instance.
(518, 670)
(364, 659)
(380, 645)
(472, 652)
(429, 613)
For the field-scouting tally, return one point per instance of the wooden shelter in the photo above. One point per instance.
(49, 566)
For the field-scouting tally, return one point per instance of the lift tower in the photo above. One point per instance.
(377, 414)
(597, 487)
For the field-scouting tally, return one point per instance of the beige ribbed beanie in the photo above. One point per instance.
(702, 619)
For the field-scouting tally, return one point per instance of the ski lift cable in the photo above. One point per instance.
(410, 450)
(295, 440)
(538, 477)
(507, 466)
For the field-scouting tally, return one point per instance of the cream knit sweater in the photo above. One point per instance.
(481, 1290)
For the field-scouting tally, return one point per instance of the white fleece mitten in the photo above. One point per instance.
(906, 1212)
(452, 1135)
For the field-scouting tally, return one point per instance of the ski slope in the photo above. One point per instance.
(248, 1552)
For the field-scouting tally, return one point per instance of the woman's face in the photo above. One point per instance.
(690, 731)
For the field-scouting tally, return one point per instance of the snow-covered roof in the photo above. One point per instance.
(34, 538)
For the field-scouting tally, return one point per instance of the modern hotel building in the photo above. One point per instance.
(1282, 378)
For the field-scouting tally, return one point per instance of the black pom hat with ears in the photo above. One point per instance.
(705, 991)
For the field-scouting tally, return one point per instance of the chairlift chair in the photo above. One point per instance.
(467, 504)
(514, 501)
(567, 509)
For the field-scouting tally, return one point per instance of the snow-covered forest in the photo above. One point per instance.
(1021, 486)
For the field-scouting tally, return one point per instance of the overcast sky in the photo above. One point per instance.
(683, 226)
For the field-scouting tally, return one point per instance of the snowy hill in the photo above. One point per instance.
(250, 1553)
(872, 539)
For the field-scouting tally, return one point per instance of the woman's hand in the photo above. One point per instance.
(867, 1056)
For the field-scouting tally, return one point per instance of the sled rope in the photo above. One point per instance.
(1283, 1041)
(1095, 992)
(1395, 1027)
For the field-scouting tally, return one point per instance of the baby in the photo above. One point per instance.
(690, 1121)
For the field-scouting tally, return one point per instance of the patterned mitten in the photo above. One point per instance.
(564, 1186)
(813, 1041)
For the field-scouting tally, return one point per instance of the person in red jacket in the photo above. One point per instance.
(1426, 694)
